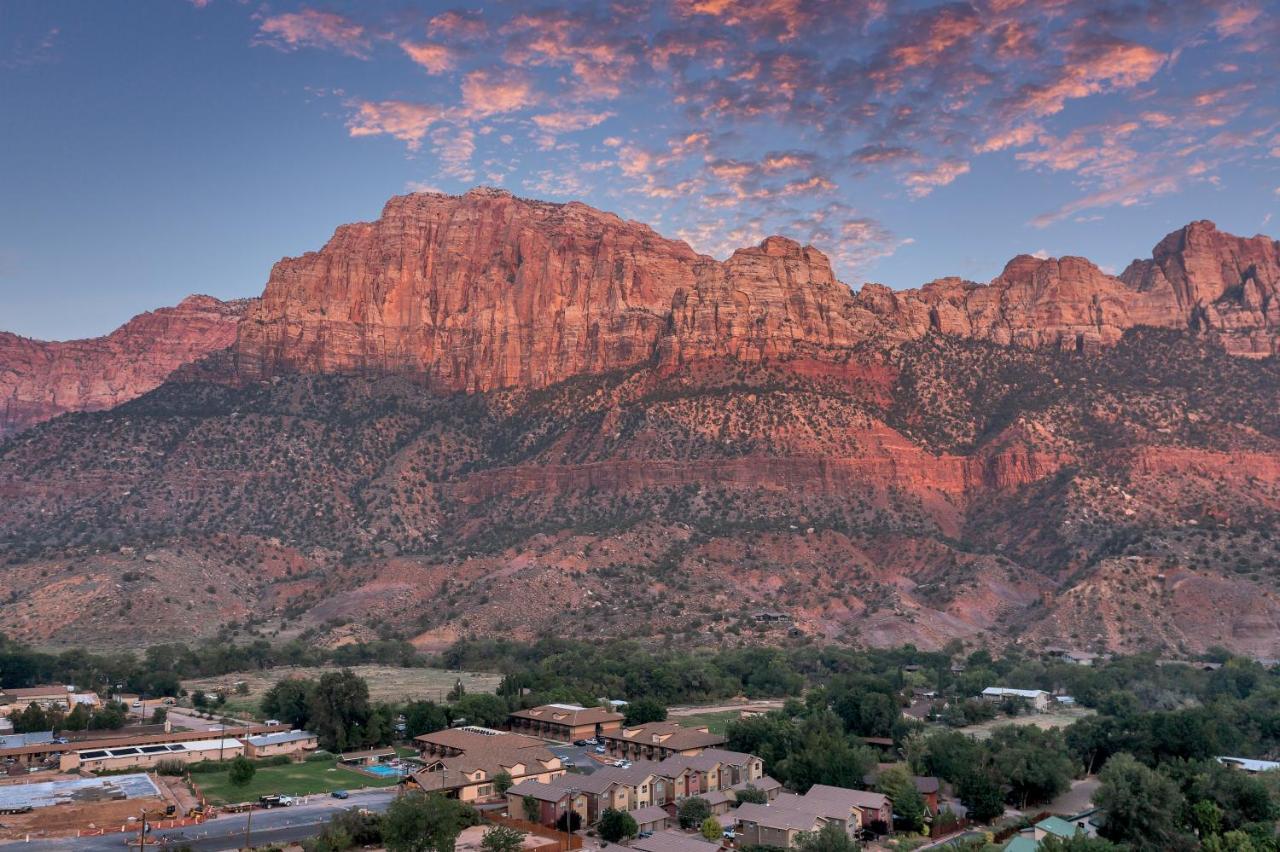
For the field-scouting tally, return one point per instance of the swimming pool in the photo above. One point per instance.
(383, 770)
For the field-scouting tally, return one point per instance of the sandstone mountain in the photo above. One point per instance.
(482, 414)
(41, 379)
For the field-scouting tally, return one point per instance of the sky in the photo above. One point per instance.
(155, 149)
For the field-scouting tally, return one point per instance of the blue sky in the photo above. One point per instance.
(156, 149)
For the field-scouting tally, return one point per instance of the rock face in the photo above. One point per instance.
(488, 291)
(40, 379)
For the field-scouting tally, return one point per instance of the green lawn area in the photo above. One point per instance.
(293, 779)
(715, 722)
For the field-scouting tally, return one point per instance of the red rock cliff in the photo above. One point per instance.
(40, 379)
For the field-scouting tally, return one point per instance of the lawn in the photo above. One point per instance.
(716, 720)
(1059, 718)
(293, 779)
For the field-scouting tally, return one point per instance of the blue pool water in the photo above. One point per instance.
(383, 770)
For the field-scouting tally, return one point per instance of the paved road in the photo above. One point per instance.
(277, 825)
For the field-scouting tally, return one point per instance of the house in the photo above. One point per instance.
(1055, 826)
(720, 801)
(1035, 698)
(651, 819)
(281, 742)
(773, 825)
(712, 769)
(673, 841)
(844, 815)
(129, 757)
(1249, 765)
(637, 786)
(659, 740)
(874, 807)
(765, 784)
(555, 799)
(48, 696)
(463, 763)
(927, 786)
(564, 722)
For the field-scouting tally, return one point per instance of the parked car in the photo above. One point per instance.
(599, 749)
(592, 741)
(568, 764)
(581, 742)
(340, 794)
(728, 834)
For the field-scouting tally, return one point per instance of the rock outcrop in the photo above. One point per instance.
(487, 290)
(42, 379)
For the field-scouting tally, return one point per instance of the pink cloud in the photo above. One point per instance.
(487, 93)
(435, 58)
(569, 121)
(1100, 66)
(456, 24)
(1013, 138)
(922, 182)
(313, 28)
(408, 122)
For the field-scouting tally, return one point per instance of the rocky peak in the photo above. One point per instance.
(42, 379)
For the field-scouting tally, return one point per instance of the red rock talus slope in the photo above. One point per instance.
(487, 291)
(40, 380)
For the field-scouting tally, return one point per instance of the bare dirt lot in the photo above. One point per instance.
(386, 683)
(1060, 718)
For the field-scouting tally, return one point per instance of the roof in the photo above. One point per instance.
(777, 816)
(545, 792)
(279, 738)
(1249, 764)
(463, 739)
(718, 797)
(764, 783)
(673, 841)
(925, 784)
(124, 737)
(30, 692)
(158, 749)
(368, 752)
(653, 813)
(855, 798)
(998, 691)
(21, 740)
(569, 714)
(1021, 843)
(1057, 826)
(670, 735)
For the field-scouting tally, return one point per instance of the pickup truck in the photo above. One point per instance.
(275, 801)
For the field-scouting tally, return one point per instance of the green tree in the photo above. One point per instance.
(692, 811)
(109, 716)
(825, 756)
(159, 715)
(502, 782)
(418, 822)
(981, 795)
(33, 718)
(78, 719)
(711, 830)
(1138, 804)
(289, 701)
(424, 717)
(616, 825)
(338, 710)
(501, 838)
(644, 710)
(242, 770)
(480, 709)
(1032, 761)
(750, 793)
(831, 838)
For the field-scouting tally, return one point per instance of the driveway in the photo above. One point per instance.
(582, 756)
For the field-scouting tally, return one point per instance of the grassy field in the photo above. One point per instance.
(1060, 718)
(716, 720)
(386, 683)
(293, 779)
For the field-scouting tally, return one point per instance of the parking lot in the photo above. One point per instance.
(583, 757)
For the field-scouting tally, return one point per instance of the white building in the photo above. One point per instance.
(1037, 698)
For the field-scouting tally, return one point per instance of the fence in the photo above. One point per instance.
(555, 839)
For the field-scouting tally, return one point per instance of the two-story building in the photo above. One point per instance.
(659, 740)
(565, 722)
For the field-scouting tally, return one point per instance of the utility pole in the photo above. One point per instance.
(142, 828)
(247, 824)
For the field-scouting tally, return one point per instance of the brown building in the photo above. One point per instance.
(554, 799)
(130, 757)
(659, 740)
(565, 722)
(771, 825)
(463, 762)
(652, 819)
(282, 742)
(673, 841)
(14, 701)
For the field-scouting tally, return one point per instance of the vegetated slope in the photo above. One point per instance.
(943, 488)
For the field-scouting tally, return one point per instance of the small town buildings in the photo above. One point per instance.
(927, 786)
(651, 819)
(366, 757)
(773, 825)
(875, 808)
(765, 784)
(659, 740)
(554, 801)
(129, 757)
(780, 822)
(1053, 826)
(673, 841)
(565, 722)
(281, 742)
(463, 762)
(1037, 699)
(49, 696)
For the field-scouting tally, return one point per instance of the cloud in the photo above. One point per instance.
(1126, 193)
(1015, 137)
(435, 58)
(568, 121)
(456, 24)
(1093, 66)
(313, 28)
(921, 183)
(408, 122)
(489, 92)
